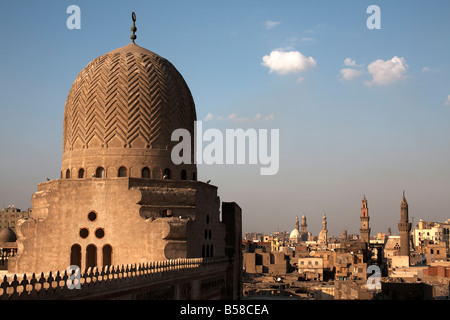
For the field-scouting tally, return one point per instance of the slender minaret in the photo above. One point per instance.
(324, 232)
(304, 226)
(404, 227)
(304, 236)
(365, 230)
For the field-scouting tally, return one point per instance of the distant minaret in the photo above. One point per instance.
(304, 236)
(365, 230)
(324, 232)
(296, 224)
(344, 235)
(404, 227)
(304, 225)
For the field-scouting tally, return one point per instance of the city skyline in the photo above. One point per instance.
(360, 111)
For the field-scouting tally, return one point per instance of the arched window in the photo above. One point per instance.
(81, 173)
(75, 255)
(67, 174)
(194, 176)
(91, 256)
(183, 175)
(145, 172)
(207, 251)
(107, 255)
(122, 172)
(100, 172)
(166, 174)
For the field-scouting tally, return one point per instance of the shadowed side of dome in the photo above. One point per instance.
(121, 112)
(7, 235)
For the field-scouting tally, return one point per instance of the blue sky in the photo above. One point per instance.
(359, 111)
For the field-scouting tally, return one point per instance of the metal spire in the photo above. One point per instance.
(133, 28)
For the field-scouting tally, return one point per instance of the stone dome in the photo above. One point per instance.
(7, 235)
(294, 234)
(120, 114)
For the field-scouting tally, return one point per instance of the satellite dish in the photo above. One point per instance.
(208, 181)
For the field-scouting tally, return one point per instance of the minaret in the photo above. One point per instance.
(304, 232)
(296, 224)
(304, 225)
(404, 227)
(365, 230)
(323, 233)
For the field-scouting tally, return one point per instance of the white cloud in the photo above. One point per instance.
(235, 118)
(208, 117)
(271, 24)
(447, 102)
(349, 62)
(300, 79)
(385, 72)
(259, 116)
(284, 62)
(429, 70)
(350, 74)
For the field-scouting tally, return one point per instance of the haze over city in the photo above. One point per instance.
(360, 111)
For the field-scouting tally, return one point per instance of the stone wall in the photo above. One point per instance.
(140, 219)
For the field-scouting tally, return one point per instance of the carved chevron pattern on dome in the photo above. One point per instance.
(127, 98)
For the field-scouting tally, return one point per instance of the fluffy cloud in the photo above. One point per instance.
(271, 24)
(350, 62)
(271, 117)
(350, 74)
(235, 118)
(284, 62)
(385, 72)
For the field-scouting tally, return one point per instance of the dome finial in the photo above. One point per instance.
(133, 28)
